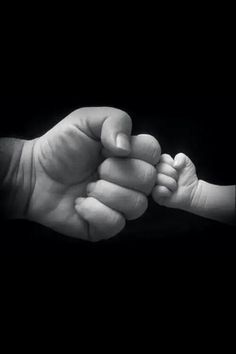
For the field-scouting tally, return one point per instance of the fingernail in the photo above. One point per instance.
(90, 187)
(122, 142)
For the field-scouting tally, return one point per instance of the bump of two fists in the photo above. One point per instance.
(90, 175)
(121, 191)
(125, 177)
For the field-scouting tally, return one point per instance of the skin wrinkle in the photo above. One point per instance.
(171, 182)
(196, 195)
(167, 170)
(32, 179)
(87, 132)
(13, 170)
(18, 177)
(42, 152)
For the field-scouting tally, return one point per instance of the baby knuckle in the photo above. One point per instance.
(165, 157)
(164, 168)
(173, 183)
(174, 173)
(159, 178)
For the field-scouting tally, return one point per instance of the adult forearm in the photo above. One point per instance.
(15, 176)
(214, 202)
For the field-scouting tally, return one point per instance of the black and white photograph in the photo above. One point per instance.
(116, 174)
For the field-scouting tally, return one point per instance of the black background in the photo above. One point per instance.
(202, 126)
(175, 75)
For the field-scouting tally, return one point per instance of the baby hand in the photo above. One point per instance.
(176, 182)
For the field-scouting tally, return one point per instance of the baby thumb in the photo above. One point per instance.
(181, 161)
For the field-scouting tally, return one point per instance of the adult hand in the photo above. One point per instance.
(88, 175)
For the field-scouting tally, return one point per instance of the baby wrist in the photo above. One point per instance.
(198, 198)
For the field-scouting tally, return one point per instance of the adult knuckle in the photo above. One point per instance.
(115, 114)
(155, 150)
(140, 203)
(138, 207)
(125, 117)
(106, 166)
(149, 176)
(117, 222)
(100, 185)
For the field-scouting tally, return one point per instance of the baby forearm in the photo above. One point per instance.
(214, 202)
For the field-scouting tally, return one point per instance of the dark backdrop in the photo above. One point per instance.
(202, 126)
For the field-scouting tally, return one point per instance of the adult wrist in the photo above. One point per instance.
(16, 179)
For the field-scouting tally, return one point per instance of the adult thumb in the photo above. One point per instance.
(109, 125)
(116, 132)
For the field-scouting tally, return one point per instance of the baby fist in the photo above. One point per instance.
(176, 182)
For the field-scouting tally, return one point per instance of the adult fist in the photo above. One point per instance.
(89, 174)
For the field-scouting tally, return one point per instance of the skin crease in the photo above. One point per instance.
(67, 158)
